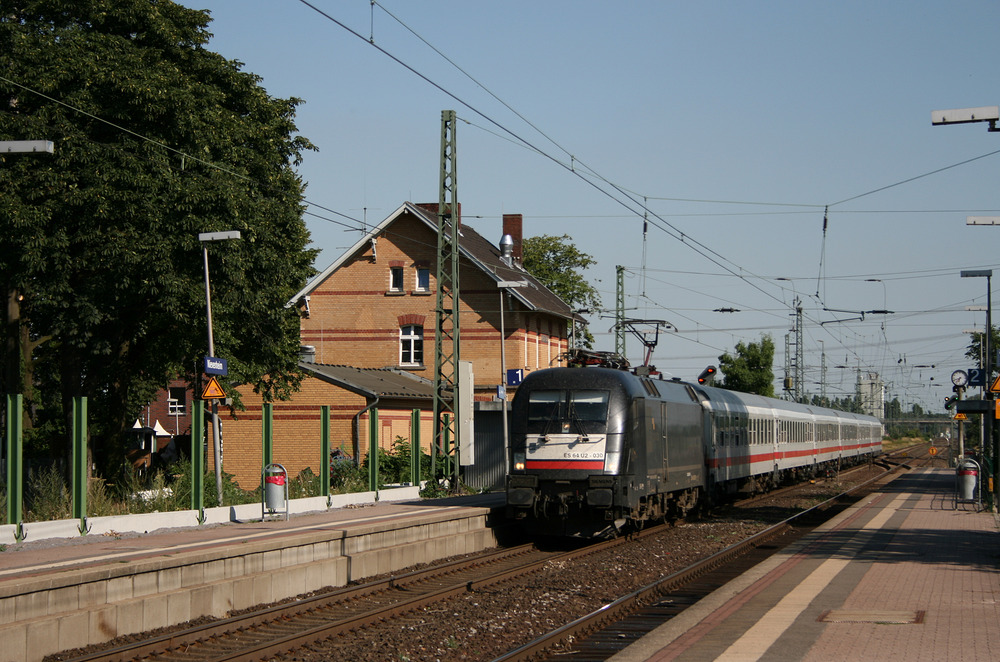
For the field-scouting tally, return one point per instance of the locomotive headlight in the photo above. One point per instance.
(518, 461)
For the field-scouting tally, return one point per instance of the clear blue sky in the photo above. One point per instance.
(737, 122)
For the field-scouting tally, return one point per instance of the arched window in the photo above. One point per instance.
(411, 345)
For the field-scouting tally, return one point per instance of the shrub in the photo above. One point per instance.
(46, 496)
(306, 484)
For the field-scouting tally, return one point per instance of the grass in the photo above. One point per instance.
(47, 494)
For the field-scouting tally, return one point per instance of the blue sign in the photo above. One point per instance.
(216, 366)
(514, 376)
(977, 377)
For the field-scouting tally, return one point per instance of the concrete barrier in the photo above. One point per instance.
(148, 522)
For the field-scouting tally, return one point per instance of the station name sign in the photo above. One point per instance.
(216, 366)
(975, 406)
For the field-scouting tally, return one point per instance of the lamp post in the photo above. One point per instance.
(991, 441)
(989, 114)
(15, 349)
(205, 238)
(504, 286)
(13, 383)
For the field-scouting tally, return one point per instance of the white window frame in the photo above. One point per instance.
(175, 406)
(411, 342)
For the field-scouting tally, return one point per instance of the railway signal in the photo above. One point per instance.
(707, 376)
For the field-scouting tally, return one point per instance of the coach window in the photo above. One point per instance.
(411, 345)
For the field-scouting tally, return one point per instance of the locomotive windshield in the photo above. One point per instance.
(567, 411)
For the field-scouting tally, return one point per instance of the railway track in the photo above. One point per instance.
(604, 632)
(276, 630)
(320, 622)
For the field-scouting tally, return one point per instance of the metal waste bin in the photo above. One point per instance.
(275, 500)
(968, 481)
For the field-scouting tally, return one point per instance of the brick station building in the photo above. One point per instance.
(367, 330)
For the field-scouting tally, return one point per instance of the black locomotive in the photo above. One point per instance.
(592, 449)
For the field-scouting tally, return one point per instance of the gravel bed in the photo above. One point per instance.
(484, 625)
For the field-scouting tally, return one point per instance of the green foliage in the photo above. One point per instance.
(103, 500)
(434, 490)
(232, 494)
(750, 369)
(156, 140)
(347, 477)
(394, 466)
(46, 496)
(559, 265)
(306, 484)
(976, 351)
(851, 403)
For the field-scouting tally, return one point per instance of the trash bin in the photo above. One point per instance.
(968, 476)
(275, 491)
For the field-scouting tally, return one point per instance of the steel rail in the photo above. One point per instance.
(614, 611)
(405, 593)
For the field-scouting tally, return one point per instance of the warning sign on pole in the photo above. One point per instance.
(213, 390)
(961, 417)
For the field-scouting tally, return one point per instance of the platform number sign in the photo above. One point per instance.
(977, 377)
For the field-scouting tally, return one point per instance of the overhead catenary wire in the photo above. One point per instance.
(667, 227)
(576, 166)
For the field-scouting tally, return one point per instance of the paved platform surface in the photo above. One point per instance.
(906, 575)
(33, 558)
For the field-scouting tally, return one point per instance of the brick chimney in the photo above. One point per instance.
(512, 225)
(431, 209)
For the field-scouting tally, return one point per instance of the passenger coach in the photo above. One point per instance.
(592, 449)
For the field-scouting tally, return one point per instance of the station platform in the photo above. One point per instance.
(906, 574)
(63, 593)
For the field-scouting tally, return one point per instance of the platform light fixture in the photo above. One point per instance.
(967, 116)
(505, 286)
(205, 238)
(991, 440)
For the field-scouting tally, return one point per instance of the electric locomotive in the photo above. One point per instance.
(592, 449)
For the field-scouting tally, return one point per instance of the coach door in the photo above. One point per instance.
(659, 448)
(655, 443)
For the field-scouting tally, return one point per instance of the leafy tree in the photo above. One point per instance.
(893, 409)
(157, 139)
(558, 264)
(975, 352)
(750, 369)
